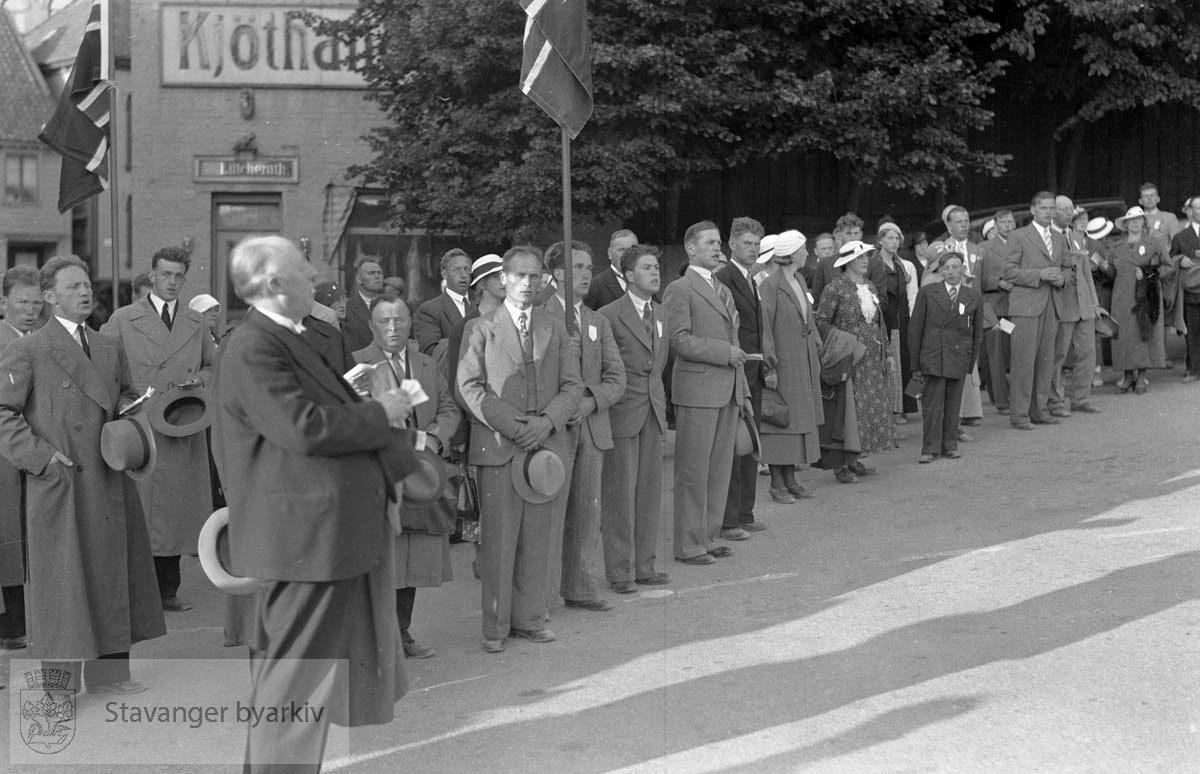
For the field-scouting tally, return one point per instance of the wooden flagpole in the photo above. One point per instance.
(568, 251)
(114, 198)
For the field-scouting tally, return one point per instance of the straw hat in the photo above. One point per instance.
(1098, 228)
(213, 547)
(747, 440)
(1132, 212)
(485, 266)
(202, 303)
(766, 248)
(538, 476)
(789, 242)
(850, 251)
(988, 227)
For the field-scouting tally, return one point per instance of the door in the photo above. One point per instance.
(236, 217)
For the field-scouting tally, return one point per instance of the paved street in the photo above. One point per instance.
(1030, 607)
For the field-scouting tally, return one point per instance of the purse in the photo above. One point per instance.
(774, 410)
(915, 387)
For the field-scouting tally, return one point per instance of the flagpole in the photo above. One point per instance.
(568, 250)
(113, 165)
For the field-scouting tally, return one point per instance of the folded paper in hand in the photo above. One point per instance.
(1007, 326)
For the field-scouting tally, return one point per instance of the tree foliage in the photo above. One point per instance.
(682, 89)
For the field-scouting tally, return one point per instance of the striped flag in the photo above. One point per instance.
(556, 70)
(79, 128)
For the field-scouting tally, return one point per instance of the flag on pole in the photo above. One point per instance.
(79, 129)
(556, 70)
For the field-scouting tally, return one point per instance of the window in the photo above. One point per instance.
(20, 178)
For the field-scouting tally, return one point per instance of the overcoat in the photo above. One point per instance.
(12, 541)
(792, 349)
(91, 588)
(177, 497)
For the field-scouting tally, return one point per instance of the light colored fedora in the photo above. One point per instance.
(213, 546)
(538, 476)
(127, 445)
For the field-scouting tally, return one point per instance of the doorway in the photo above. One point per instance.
(235, 217)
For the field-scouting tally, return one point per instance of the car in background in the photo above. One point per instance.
(1109, 208)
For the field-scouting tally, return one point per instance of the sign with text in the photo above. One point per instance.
(231, 169)
(205, 44)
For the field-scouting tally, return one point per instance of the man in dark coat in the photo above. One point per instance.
(436, 318)
(303, 461)
(1185, 248)
(609, 283)
(368, 283)
(945, 336)
(91, 590)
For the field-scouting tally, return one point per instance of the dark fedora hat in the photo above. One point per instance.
(538, 476)
(427, 483)
(127, 444)
(1106, 326)
(747, 440)
(213, 547)
(181, 411)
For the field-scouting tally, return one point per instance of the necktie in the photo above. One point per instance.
(719, 288)
(1049, 244)
(531, 401)
(83, 342)
(166, 315)
(648, 318)
(953, 294)
(526, 342)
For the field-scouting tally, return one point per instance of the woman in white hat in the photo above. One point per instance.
(850, 304)
(1099, 249)
(896, 311)
(1139, 265)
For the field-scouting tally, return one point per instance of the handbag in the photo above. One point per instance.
(774, 410)
(915, 387)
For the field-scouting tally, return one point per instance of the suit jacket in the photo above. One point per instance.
(85, 526)
(492, 381)
(299, 454)
(1024, 257)
(357, 325)
(435, 320)
(12, 538)
(1078, 295)
(644, 356)
(702, 332)
(605, 289)
(944, 339)
(1186, 243)
(440, 414)
(991, 269)
(749, 308)
(600, 367)
(330, 342)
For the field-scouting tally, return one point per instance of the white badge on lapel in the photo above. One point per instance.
(1141, 249)
(810, 296)
(592, 332)
(962, 308)
(659, 324)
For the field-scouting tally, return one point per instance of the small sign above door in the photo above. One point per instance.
(231, 169)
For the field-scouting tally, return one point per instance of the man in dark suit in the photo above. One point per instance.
(91, 591)
(303, 460)
(1077, 321)
(744, 237)
(995, 295)
(709, 391)
(610, 284)
(436, 318)
(945, 335)
(519, 377)
(633, 467)
(368, 283)
(1033, 263)
(1185, 248)
(21, 304)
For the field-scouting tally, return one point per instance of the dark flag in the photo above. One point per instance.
(556, 70)
(79, 128)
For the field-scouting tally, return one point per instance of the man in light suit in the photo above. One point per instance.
(1033, 263)
(945, 336)
(610, 284)
(958, 232)
(519, 377)
(633, 467)
(709, 391)
(22, 307)
(436, 318)
(422, 547)
(575, 533)
(1076, 323)
(302, 458)
(995, 290)
(168, 345)
(1185, 248)
(744, 237)
(368, 283)
(91, 591)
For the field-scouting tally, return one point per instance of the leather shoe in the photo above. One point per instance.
(657, 579)
(119, 688)
(859, 469)
(1022, 425)
(844, 476)
(16, 643)
(972, 422)
(701, 559)
(1004, 411)
(925, 459)
(953, 455)
(1060, 413)
(595, 605)
(800, 493)
(1047, 420)
(721, 552)
(734, 533)
(533, 635)
(1085, 408)
(175, 604)
(414, 649)
(624, 587)
(781, 495)
(493, 646)
(755, 526)
(964, 438)
(1189, 378)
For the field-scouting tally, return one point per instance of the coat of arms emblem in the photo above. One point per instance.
(47, 710)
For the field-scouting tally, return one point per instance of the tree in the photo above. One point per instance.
(681, 89)
(1102, 59)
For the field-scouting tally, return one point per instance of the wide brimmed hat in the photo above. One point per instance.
(427, 483)
(181, 411)
(127, 445)
(1106, 326)
(747, 440)
(988, 226)
(1132, 212)
(789, 242)
(202, 303)
(213, 547)
(850, 251)
(766, 248)
(485, 266)
(1098, 228)
(538, 476)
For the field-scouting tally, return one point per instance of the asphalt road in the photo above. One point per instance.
(1029, 607)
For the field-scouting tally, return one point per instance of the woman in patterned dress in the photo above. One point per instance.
(850, 304)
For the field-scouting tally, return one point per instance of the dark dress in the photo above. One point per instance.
(895, 316)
